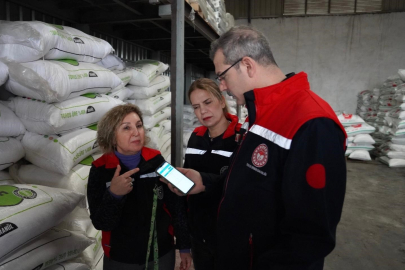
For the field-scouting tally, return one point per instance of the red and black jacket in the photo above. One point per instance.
(126, 222)
(285, 187)
(212, 156)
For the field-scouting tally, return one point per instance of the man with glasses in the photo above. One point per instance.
(284, 190)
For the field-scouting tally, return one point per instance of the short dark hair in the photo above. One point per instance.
(241, 41)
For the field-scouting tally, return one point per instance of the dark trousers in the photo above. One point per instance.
(204, 256)
(166, 262)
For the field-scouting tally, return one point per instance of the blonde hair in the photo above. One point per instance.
(211, 87)
(109, 124)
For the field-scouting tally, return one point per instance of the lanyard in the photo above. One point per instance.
(153, 233)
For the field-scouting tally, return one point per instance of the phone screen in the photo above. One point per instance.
(176, 178)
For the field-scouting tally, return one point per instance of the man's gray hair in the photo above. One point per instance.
(241, 41)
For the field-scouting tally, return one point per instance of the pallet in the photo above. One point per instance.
(196, 8)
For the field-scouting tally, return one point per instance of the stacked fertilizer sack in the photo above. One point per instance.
(59, 102)
(148, 91)
(360, 142)
(391, 125)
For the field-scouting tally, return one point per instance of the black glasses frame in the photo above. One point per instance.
(219, 79)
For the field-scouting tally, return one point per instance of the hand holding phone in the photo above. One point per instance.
(175, 177)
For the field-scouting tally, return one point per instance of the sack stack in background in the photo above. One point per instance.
(148, 90)
(54, 108)
(358, 135)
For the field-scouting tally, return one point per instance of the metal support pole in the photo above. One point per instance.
(177, 81)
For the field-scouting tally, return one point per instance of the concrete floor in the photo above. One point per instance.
(371, 233)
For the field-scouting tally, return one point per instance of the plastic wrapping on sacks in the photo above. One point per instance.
(62, 117)
(6, 179)
(76, 180)
(26, 41)
(55, 245)
(144, 71)
(60, 153)
(121, 94)
(151, 105)
(26, 211)
(11, 151)
(150, 121)
(3, 73)
(10, 124)
(56, 81)
(112, 62)
(157, 86)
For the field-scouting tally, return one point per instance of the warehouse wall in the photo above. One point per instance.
(342, 55)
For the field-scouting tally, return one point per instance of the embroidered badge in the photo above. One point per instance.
(260, 155)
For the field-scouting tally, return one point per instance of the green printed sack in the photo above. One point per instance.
(55, 245)
(154, 104)
(76, 180)
(150, 121)
(11, 151)
(26, 211)
(56, 81)
(26, 41)
(144, 71)
(62, 117)
(160, 84)
(60, 153)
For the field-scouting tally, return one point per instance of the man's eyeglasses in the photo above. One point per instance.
(219, 77)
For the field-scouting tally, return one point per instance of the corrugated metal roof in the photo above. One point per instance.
(273, 8)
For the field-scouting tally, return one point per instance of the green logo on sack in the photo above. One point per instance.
(11, 195)
(87, 161)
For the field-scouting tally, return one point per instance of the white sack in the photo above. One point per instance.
(78, 220)
(150, 121)
(62, 117)
(55, 245)
(151, 105)
(76, 180)
(397, 140)
(158, 85)
(363, 138)
(349, 119)
(67, 265)
(10, 124)
(144, 71)
(98, 260)
(29, 210)
(112, 62)
(54, 81)
(59, 153)
(3, 73)
(121, 94)
(363, 128)
(401, 73)
(392, 163)
(125, 75)
(89, 254)
(360, 155)
(11, 151)
(188, 109)
(25, 41)
(360, 146)
(5, 178)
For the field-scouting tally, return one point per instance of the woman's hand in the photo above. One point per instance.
(194, 176)
(186, 260)
(122, 184)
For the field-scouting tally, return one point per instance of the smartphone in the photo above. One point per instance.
(176, 178)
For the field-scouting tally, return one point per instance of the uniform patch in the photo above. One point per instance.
(315, 176)
(260, 155)
(223, 169)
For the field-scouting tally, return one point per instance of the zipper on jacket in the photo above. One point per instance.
(251, 251)
(229, 173)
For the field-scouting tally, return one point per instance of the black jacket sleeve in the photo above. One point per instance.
(313, 189)
(105, 210)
